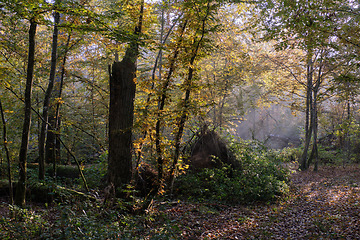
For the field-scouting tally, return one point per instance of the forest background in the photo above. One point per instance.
(283, 74)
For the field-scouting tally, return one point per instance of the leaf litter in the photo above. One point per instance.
(321, 205)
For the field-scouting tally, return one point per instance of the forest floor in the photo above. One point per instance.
(321, 205)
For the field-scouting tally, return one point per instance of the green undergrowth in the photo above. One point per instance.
(261, 178)
(85, 220)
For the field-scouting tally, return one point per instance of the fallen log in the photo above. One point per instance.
(48, 193)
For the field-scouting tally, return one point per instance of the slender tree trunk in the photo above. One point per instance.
(161, 104)
(77, 163)
(157, 125)
(222, 105)
(182, 120)
(188, 84)
(21, 186)
(44, 126)
(308, 125)
(213, 96)
(223, 99)
(347, 135)
(5, 142)
(53, 146)
(158, 61)
(315, 116)
(315, 148)
(121, 112)
(314, 122)
(50, 136)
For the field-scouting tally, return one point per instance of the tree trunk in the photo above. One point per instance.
(7, 154)
(161, 105)
(315, 116)
(21, 186)
(44, 126)
(59, 82)
(222, 105)
(121, 112)
(314, 122)
(308, 125)
(50, 137)
(188, 84)
(157, 65)
(316, 155)
(347, 133)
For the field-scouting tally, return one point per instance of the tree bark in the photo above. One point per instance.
(347, 135)
(52, 148)
(161, 105)
(157, 65)
(48, 93)
(314, 122)
(5, 143)
(188, 84)
(58, 88)
(21, 186)
(121, 112)
(308, 125)
(315, 117)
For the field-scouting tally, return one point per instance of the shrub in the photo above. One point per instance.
(260, 178)
(95, 174)
(286, 155)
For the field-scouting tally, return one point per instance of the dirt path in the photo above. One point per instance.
(322, 205)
